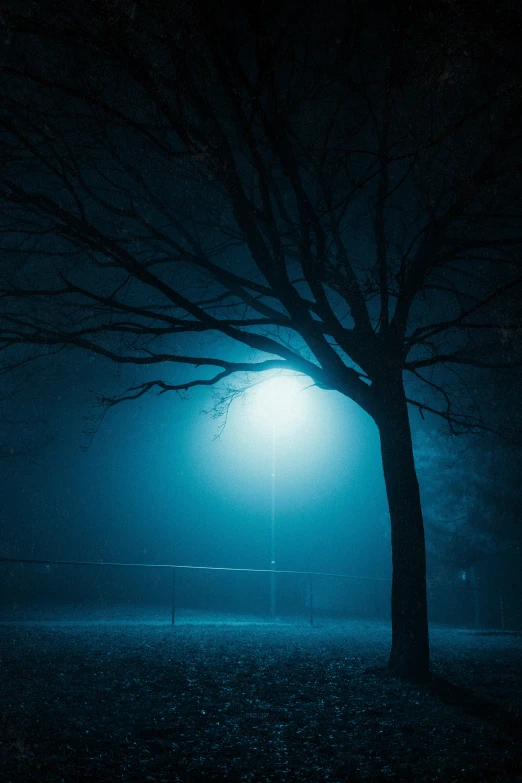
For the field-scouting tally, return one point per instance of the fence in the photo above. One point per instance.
(307, 594)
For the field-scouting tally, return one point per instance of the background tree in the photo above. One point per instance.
(334, 194)
(471, 499)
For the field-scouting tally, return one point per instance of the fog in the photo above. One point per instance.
(165, 482)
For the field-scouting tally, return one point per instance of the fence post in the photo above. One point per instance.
(311, 600)
(476, 591)
(173, 616)
(502, 608)
(474, 584)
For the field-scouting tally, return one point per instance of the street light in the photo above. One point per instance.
(278, 403)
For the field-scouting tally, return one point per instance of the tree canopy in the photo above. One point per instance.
(170, 173)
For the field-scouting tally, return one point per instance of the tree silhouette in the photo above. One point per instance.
(336, 194)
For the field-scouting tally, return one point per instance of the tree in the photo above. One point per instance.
(334, 194)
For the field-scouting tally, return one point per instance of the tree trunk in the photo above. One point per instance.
(410, 655)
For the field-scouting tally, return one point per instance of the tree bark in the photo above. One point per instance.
(410, 655)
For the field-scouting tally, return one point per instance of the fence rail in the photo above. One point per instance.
(188, 567)
(174, 567)
(309, 575)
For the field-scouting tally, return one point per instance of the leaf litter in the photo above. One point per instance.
(260, 702)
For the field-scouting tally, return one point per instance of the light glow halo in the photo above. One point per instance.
(279, 401)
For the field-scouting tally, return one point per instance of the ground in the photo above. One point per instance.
(217, 700)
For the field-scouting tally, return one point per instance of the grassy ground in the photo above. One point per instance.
(141, 701)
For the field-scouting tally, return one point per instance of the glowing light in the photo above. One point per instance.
(280, 400)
